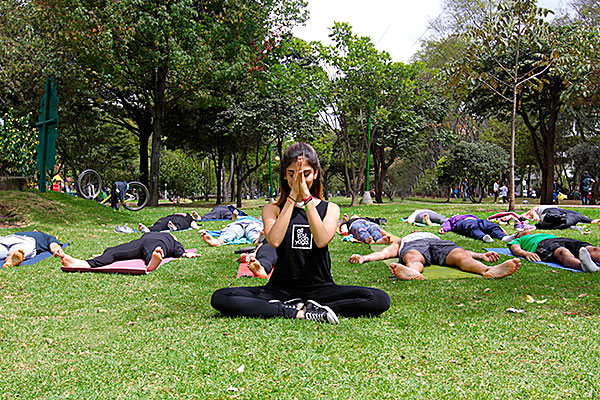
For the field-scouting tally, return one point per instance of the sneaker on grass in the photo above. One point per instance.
(313, 311)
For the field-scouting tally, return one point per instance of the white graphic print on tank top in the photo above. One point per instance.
(301, 237)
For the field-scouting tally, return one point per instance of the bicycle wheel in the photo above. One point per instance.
(89, 184)
(136, 197)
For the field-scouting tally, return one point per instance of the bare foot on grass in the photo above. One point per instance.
(71, 262)
(387, 239)
(505, 269)
(157, 256)
(403, 272)
(209, 239)
(14, 258)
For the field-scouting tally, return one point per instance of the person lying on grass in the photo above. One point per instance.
(553, 217)
(474, 227)
(243, 227)
(420, 249)
(300, 226)
(152, 247)
(363, 229)
(427, 217)
(262, 260)
(173, 222)
(16, 248)
(570, 253)
(224, 212)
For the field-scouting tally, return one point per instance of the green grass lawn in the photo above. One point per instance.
(109, 336)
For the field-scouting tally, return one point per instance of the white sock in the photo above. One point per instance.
(487, 239)
(586, 261)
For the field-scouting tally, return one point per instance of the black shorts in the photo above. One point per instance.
(546, 248)
(434, 251)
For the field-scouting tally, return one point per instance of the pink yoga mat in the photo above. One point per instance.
(244, 271)
(132, 267)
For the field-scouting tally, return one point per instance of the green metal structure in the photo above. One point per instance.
(46, 148)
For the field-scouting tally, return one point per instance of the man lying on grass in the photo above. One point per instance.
(152, 247)
(16, 248)
(417, 250)
(570, 253)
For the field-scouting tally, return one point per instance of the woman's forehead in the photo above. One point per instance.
(294, 167)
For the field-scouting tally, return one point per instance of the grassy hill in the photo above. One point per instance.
(90, 336)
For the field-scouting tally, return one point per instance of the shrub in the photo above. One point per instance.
(18, 141)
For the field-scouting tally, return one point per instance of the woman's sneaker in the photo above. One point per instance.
(313, 311)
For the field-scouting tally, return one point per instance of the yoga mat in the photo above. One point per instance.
(433, 271)
(505, 251)
(131, 267)
(244, 271)
(37, 258)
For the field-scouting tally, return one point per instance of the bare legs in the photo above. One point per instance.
(585, 262)
(215, 242)
(463, 259)
(415, 263)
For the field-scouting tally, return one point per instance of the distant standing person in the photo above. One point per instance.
(496, 190)
(555, 191)
(464, 188)
(585, 187)
(504, 193)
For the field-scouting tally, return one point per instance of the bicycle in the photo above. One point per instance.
(136, 196)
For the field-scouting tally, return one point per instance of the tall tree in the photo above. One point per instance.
(494, 60)
(147, 55)
(364, 87)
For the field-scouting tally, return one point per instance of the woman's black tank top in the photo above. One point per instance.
(299, 261)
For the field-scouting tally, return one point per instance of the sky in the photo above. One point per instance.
(396, 26)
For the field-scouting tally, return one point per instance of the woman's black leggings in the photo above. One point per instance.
(348, 301)
(138, 248)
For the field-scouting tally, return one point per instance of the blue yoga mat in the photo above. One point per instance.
(40, 257)
(506, 252)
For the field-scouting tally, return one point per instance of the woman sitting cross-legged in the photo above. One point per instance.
(300, 225)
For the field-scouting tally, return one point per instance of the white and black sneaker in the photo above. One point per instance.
(313, 311)
(296, 303)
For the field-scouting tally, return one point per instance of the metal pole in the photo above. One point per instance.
(367, 194)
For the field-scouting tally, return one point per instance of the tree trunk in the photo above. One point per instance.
(158, 116)
(238, 202)
(354, 199)
(143, 151)
(219, 176)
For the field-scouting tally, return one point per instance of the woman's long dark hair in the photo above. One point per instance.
(308, 155)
